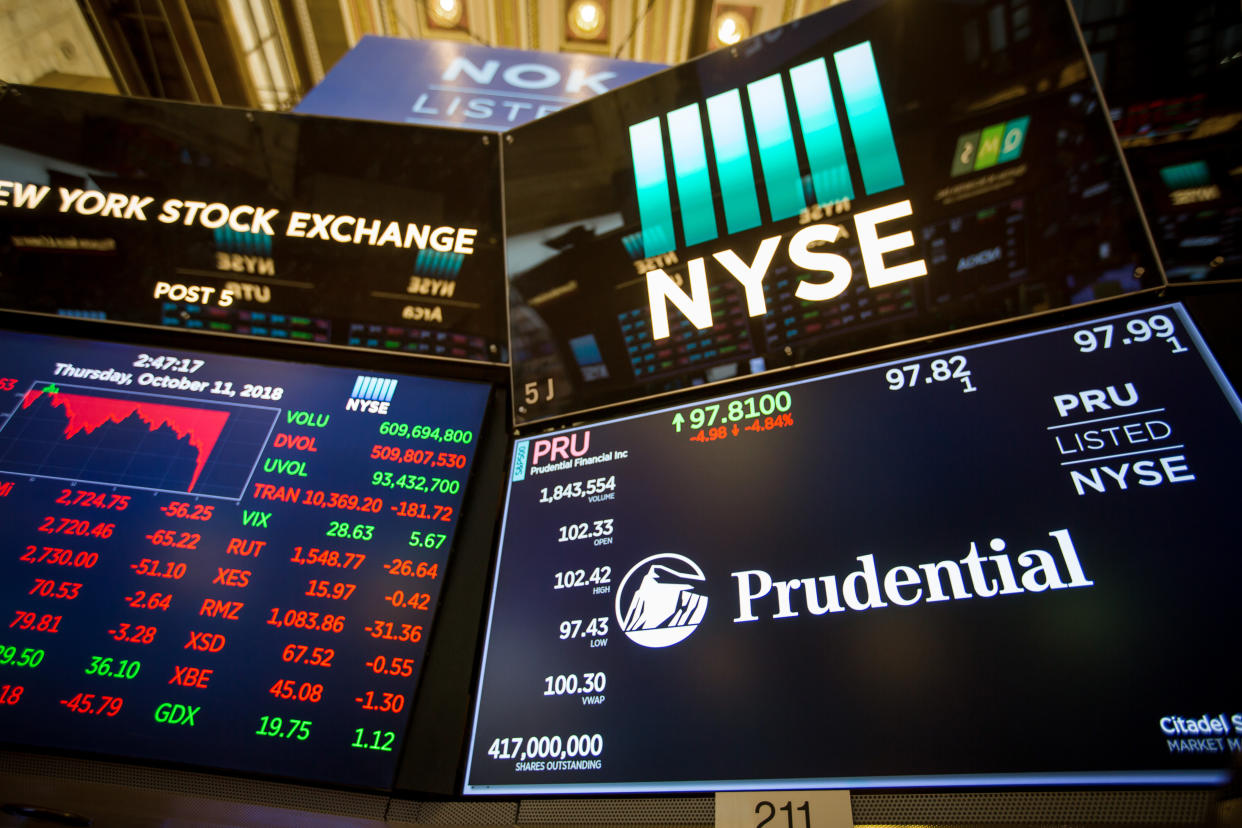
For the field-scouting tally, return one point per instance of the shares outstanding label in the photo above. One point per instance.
(1010, 562)
(220, 561)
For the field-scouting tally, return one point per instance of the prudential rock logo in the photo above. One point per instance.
(657, 605)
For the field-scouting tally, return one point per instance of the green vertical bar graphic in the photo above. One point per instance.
(821, 132)
(989, 146)
(694, 186)
(964, 154)
(1013, 139)
(868, 117)
(651, 182)
(1184, 176)
(733, 165)
(776, 147)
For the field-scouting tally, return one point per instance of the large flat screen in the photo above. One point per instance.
(280, 227)
(222, 561)
(1011, 562)
(877, 172)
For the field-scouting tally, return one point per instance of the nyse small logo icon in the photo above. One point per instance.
(657, 605)
(371, 395)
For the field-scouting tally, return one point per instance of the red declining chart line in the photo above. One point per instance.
(85, 413)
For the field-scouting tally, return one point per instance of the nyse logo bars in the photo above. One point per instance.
(935, 571)
(859, 178)
(786, 196)
(223, 562)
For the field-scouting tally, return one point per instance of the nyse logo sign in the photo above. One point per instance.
(785, 196)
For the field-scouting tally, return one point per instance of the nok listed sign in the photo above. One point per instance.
(461, 85)
(877, 172)
(1010, 562)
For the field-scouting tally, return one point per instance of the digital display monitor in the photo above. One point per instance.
(877, 172)
(222, 561)
(1193, 200)
(1011, 562)
(285, 228)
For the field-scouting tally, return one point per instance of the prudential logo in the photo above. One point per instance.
(867, 117)
(656, 603)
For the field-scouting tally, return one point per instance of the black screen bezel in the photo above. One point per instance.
(471, 546)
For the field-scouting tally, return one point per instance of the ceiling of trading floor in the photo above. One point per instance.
(268, 53)
(660, 31)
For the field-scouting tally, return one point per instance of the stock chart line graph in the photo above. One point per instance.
(135, 439)
(87, 413)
